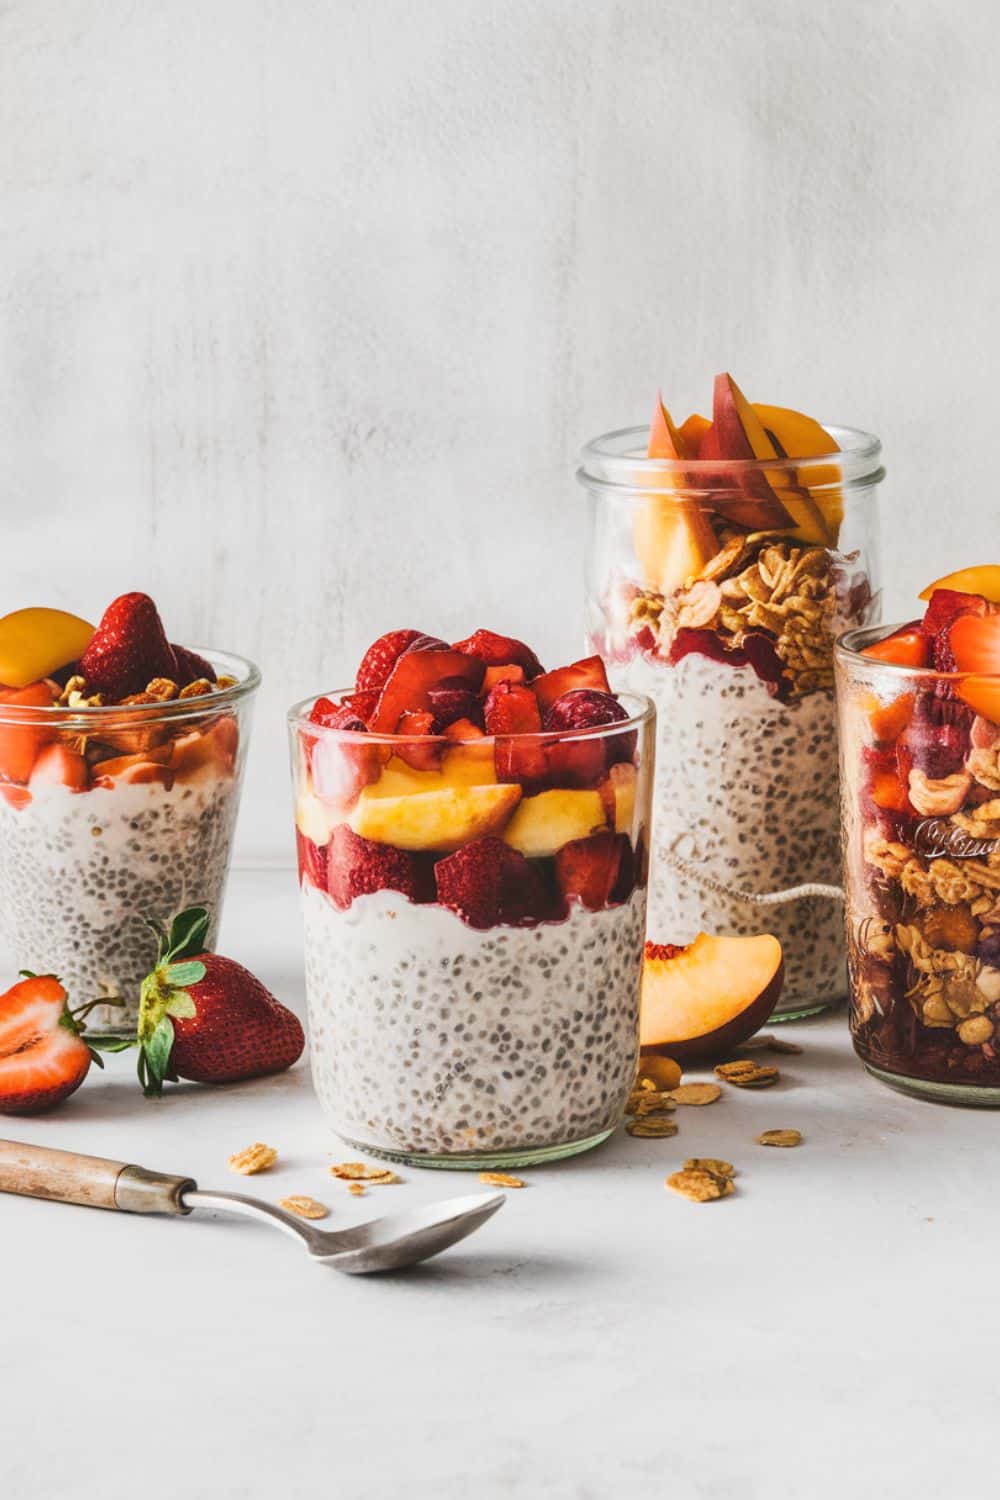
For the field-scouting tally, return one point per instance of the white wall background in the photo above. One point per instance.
(306, 306)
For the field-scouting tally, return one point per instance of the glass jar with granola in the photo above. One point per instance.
(920, 749)
(724, 558)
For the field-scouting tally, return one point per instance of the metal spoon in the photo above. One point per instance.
(385, 1244)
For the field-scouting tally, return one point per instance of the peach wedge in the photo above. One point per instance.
(440, 821)
(700, 1001)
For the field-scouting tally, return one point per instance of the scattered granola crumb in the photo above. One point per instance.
(780, 1138)
(360, 1171)
(356, 1189)
(744, 1073)
(700, 1186)
(196, 689)
(304, 1207)
(778, 1044)
(653, 1126)
(696, 1093)
(255, 1158)
(501, 1179)
(649, 1102)
(710, 1164)
(224, 681)
(162, 688)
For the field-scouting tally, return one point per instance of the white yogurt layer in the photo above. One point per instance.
(749, 786)
(432, 1038)
(79, 871)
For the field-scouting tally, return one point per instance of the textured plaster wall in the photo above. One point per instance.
(307, 306)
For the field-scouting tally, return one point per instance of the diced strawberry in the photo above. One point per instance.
(420, 757)
(380, 658)
(500, 650)
(489, 884)
(21, 743)
(512, 710)
(583, 762)
(190, 666)
(17, 797)
(336, 716)
(340, 767)
(588, 673)
(128, 649)
(362, 704)
(583, 708)
(359, 867)
(43, 1058)
(452, 700)
(944, 607)
(909, 646)
(512, 673)
(464, 729)
(938, 736)
(597, 871)
(757, 650)
(313, 861)
(407, 689)
(58, 765)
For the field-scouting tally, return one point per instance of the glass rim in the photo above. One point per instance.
(88, 718)
(298, 719)
(848, 648)
(617, 462)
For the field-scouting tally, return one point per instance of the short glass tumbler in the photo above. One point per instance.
(718, 588)
(921, 834)
(474, 917)
(110, 816)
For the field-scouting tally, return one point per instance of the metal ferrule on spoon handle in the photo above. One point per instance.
(94, 1181)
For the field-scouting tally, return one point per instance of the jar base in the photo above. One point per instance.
(969, 1095)
(481, 1161)
(801, 1010)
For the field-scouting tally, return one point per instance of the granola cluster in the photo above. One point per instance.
(759, 584)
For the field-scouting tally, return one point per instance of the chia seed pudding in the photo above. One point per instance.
(746, 796)
(433, 1039)
(80, 870)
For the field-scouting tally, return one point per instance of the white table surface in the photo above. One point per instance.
(830, 1329)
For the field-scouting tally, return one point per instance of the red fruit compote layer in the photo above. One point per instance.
(723, 607)
(120, 777)
(920, 737)
(471, 854)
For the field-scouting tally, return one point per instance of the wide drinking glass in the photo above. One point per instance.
(718, 588)
(920, 762)
(474, 916)
(112, 815)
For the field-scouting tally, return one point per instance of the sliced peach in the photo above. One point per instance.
(982, 694)
(673, 537)
(464, 765)
(542, 824)
(35, 643)
(441, 821)
(975, 643)
(691, 432)
(20, 744)
(618, 793)
(737, 432)
(983, 579)
(799, 436)
(887, 720)
(906, 647)
(702, 1000)
(314, 819)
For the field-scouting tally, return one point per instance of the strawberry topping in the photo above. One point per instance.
(359, 867)
(500, 651)
(597, 871)
(487, 882)
(380, 658)
(128, 649)
(588, 673)
(191, 667)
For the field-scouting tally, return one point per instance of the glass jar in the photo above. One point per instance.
(474, 916)
(112, 815)
(718, 588)
(921, 831)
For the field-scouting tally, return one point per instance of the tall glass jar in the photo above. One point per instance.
(920, 758)
(474, 915)
(718, 587)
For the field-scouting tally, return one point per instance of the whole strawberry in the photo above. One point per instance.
(207, 1019)
(128, 649)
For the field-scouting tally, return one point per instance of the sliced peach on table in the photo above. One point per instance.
(702, 1000)
(673, 536)
(775, 501)
(908, 646)
(59, 765)
(543, 823)
(20, 743)
(440, 821)
(983, 580)
(35, 643)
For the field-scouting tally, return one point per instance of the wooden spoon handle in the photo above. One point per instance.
(67, 1177)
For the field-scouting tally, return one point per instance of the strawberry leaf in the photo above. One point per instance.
(181, 1004)
(188, 934)
(110, 1043)
(181, 975)
(156, 1057)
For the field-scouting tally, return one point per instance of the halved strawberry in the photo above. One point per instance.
(587, 673)
(190, 667)
(937, 738)
(359, 867)
(500, 650)
(128, 649)
(489, 884)
(597, 871)
(512, 710)
(20, 744)
(407, 688)
(380, 658)
(909, 646)
(43, 1057)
